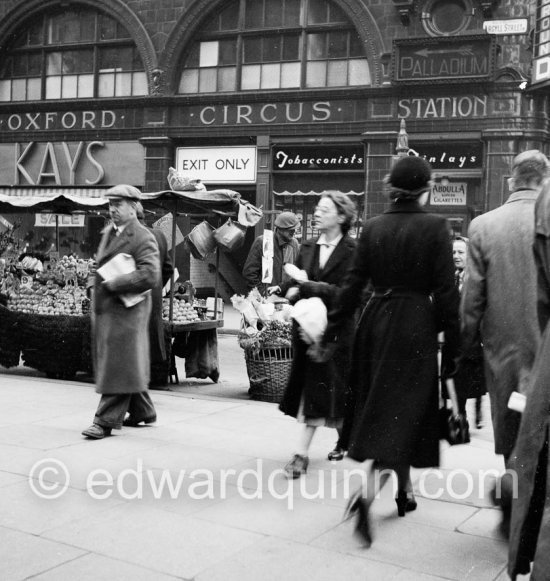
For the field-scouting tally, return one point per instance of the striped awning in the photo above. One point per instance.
(29, 197)
(312, 193)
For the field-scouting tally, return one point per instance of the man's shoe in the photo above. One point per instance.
(130, 422)
(96, 432)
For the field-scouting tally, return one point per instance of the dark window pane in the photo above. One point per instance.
(125, 58)
(69, 63)
(64, 28)
(85, 60)
(6, 68)
(121, 32)
(21, 40)
(336, 14)
(337, 45)
(252, 50)
(137, 63)
(273, 13)
(316, 46)
(317, 12)
(356, 48)
(229, 18)
(271, 49)
(20, 66)
(87, 27)
(35, 33)
(193, 56)
(108, 59)
(228, 52)
(292, 13)
(254, 13)
(291, 48)
(107, 28)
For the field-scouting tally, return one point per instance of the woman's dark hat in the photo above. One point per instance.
(410, 173)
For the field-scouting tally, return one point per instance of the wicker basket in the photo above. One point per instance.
(268, 371)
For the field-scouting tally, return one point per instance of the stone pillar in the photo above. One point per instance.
(264, 197)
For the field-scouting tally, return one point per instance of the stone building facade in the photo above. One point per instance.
(277, 99)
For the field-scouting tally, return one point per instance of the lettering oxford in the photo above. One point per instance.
(45, 121)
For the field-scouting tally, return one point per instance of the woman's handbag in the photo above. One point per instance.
(453, 425)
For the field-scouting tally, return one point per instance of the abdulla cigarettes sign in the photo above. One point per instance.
(449, 194)
(218, 165)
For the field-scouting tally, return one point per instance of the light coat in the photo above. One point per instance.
(529, 536)
(498, 305)
(120, 337)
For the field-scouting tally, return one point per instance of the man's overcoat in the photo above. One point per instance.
(498, 305)
(530, 525)
(120, 336)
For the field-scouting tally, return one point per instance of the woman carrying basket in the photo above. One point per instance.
(316, 392)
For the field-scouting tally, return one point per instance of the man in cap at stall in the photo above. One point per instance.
(264, 266)
(120, 338)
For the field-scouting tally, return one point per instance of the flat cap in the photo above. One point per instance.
(123, 191)
(287, 220)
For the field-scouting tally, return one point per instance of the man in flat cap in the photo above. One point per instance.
(499, 295)
(120, 339)
(264, 270)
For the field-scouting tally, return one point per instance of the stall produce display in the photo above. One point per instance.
(184, 312)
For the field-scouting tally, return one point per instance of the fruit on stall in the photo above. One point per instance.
(48, 300)
(183, 311)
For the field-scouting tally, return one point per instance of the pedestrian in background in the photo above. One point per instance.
(470, 378)
(499, 300)
(530, 524)
(285, 251)
(157, 340)
(120, 338)
(316, 392)
(406, 253)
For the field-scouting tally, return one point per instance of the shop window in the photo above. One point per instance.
(281, 44)
(447, 17)
(77, 54)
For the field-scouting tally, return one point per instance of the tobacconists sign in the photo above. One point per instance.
(455, 59)
(332, 158)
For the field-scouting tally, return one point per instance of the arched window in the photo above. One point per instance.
(275, 44)
(74, 54)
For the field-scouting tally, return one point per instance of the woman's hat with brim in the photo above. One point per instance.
(410, 173)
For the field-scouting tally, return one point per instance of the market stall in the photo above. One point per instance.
(44, 312)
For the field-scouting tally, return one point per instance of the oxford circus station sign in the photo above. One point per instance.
(427, 60)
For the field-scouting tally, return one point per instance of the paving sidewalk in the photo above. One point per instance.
(230, 514)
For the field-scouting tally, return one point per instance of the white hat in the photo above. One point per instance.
(311, 315)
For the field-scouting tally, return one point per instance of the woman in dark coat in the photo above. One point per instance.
(406, 254)
(470, 379)
(315, 393)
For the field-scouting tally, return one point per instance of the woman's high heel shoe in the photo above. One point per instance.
(405, 502)
(357, 505)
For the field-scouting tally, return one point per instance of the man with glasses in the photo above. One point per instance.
(264, 270)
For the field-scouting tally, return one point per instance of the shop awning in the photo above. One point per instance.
(312, 193)
(63, 200)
